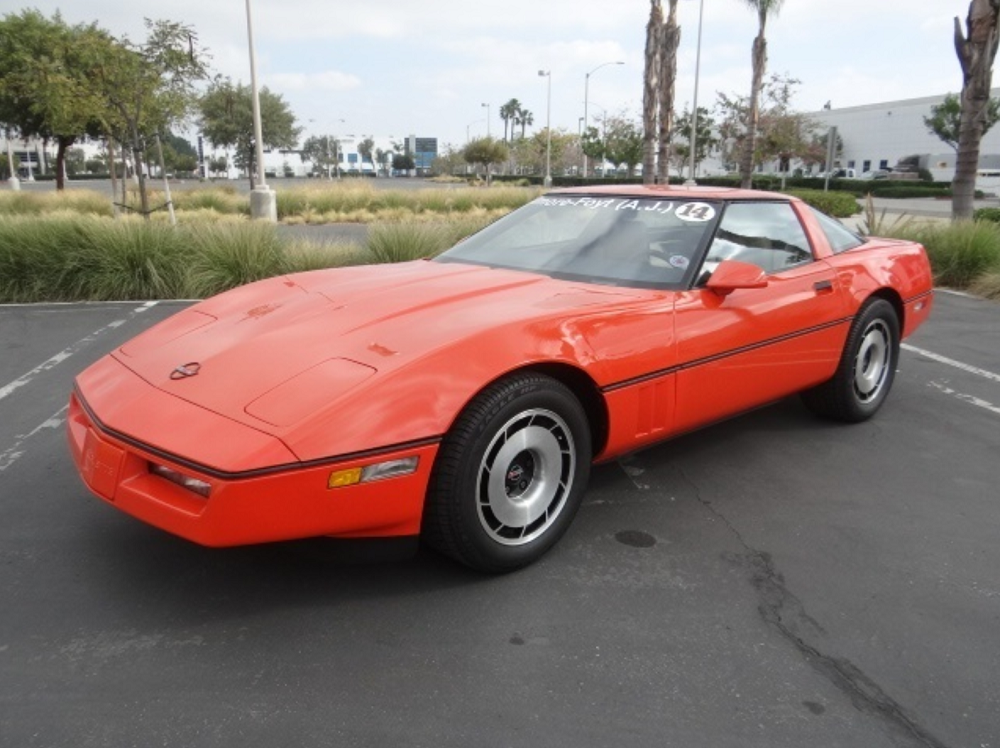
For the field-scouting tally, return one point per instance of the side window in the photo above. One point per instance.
(768, 235)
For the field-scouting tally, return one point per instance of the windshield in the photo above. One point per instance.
(640, 242)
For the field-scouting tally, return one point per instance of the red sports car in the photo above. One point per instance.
(464, 399)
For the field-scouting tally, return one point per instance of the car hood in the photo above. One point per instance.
(271, 353)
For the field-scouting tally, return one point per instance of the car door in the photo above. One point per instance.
(747, 347)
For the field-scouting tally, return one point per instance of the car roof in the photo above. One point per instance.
(680, 191)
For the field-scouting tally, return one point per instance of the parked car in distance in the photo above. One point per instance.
(464, 399)
(838, 173)
(875, 174)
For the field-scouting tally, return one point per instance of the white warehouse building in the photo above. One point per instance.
(877, 136)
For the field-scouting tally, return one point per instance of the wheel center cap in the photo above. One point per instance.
(519, 474)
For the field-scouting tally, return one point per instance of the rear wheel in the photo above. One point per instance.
(866, 370)
(510, 474)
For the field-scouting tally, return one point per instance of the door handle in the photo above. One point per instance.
(821, 286)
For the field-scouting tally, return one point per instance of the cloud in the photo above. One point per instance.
(328, 80)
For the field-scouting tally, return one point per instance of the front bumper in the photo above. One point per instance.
(251, 506)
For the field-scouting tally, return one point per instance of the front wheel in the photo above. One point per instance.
(510, 474)
(866, 370)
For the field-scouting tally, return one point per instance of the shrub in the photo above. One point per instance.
(987, 214)
(222, 200)
(987, 285)
(399, 242)
(838, 204)
(66, 257)
(959, 252)
(225, 256)
(127, 260)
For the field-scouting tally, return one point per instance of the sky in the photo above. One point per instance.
(401, 67)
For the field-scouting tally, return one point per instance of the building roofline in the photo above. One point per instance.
(994, 93)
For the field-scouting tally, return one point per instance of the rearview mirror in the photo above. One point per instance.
(733, 274)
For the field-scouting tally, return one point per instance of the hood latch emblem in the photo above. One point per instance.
(186, 370)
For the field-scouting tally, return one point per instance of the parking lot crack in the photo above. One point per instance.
(784, 612)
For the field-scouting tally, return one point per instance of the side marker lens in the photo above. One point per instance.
(369, 473)
(342, 478)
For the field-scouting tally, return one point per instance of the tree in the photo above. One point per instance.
(75, 161)
(179, 156)
(705, 142)
(403, 162)
(781, 132)
(651, 91)
(148, 86)
(5, 170)
(529, 153)
(323, 152)
(946, 119)
(509, 113)
(670, 40)
(449, 160)
(763, 8)
(593, 145)
(485, 152)
(663, 37)
(218, 165)
(226, 121)
(523, 118)
(976, 52)
(365, 148)
(623, 143)
(46, 80)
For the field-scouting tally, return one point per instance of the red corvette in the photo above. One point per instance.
(465, 398)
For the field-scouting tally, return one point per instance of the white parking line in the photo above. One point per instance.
(952, 362)
(64, 354)
(971, 399)
(9, 456)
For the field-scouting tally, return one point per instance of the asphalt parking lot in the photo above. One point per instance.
(771, 581)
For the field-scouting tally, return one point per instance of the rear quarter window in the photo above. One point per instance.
(837, 235)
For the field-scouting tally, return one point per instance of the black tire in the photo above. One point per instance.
(866, 370)
(510, 474)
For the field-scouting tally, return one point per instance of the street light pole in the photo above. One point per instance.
(694, 113)
(547, 182)
(468, 137)
(586, 96)
(263, 201)
(487, 119)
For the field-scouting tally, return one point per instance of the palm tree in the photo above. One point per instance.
(976, 51)
(508, 113)
(524, 118)
(670, 40)
(651, 91)
(763, 8)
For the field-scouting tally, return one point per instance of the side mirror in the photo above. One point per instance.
(733, 274)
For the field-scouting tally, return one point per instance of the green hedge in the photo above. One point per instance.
(987, 214)
(911, 191)
(837, 204)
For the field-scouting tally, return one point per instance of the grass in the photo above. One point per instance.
(987, 285)
(323, 202)
(81, 202)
